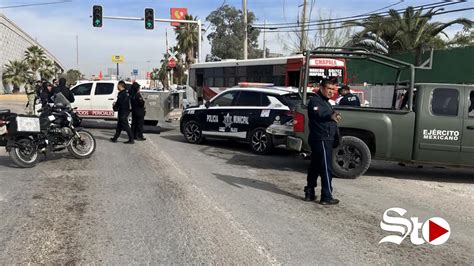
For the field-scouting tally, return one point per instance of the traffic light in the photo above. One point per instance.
(149, 18)
(97, 16)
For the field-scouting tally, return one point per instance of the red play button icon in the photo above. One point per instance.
(436, 231)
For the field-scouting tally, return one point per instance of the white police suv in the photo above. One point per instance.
(243, 114)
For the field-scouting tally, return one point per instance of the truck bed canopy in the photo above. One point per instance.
(361, 54)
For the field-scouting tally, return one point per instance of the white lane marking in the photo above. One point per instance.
(212, 203)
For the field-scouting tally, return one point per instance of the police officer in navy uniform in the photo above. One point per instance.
(122, 106)
(348, 98)
(323, 136)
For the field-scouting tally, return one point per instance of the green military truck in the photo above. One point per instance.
(431, 123)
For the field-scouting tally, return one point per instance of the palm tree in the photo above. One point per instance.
(376, 35)
(35, 58)
(16, 73)
(48, 70)
(411, 31)
(187, 38)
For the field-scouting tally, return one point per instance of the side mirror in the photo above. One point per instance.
(207, 104)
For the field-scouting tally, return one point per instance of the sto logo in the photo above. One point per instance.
(435, 230)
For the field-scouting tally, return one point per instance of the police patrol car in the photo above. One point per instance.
(243, 114)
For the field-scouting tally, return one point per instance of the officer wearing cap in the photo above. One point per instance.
(348, 98)
(323, 135)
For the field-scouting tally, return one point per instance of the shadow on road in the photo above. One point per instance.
(257, 184)
(93, 124)
(6, 161)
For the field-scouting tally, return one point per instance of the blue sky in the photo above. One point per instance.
(56, 26)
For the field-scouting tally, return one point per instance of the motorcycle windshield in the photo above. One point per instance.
(59, 99)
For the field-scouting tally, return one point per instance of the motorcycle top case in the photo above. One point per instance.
(24, 124)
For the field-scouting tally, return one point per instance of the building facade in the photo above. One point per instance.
(13, 44)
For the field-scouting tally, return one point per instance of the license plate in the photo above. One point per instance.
(294, 143)
(28, 124)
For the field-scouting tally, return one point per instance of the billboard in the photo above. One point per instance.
(178, 13)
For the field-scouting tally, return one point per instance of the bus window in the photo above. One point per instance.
(230, 82)
(293, 78)
(219, 82)
(229, 71)
(279, 80)
(210, 82)
(199, 80)
(241, 71)
(218, 72)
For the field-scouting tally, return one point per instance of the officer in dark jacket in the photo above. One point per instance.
(61, 88)
(122, 106)
(322, 135)
(138, 111)
(348, 98)
(47, 94)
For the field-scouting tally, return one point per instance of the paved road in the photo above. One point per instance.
(165, 201)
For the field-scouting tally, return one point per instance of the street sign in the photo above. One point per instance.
(135, 72)
(178, 13)
(173, 55)
(118, 59)
(171, 63)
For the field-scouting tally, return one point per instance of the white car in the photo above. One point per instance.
(94, 99)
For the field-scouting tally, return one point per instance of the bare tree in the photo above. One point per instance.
(323, 35)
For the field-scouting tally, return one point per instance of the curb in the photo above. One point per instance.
(13, 98)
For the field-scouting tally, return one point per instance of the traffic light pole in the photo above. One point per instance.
(198, 22)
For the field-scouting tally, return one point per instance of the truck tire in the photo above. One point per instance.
(260, 141)
(192, 132)
(351, 159)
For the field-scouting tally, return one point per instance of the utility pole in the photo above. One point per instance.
(303, 27)
(244, 8)
(170, 77)
(77, 51)
(264, 48)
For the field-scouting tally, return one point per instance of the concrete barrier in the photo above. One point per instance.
(13, 98)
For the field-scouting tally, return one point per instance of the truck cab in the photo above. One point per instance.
(431, 124)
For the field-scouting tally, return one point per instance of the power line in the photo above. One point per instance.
(389, 6)
(360, 16)
(319, 23)
(37, 4)
(348, 26)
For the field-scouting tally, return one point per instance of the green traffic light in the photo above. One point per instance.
(97, 21)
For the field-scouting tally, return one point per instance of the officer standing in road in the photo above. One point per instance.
(122, 106)
(323, 135)
(66, 92)
(47, 94)
(138, 111)
(348, 98)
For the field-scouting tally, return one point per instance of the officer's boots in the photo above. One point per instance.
(309, 194)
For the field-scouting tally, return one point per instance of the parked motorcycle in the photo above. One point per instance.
(24, 137)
